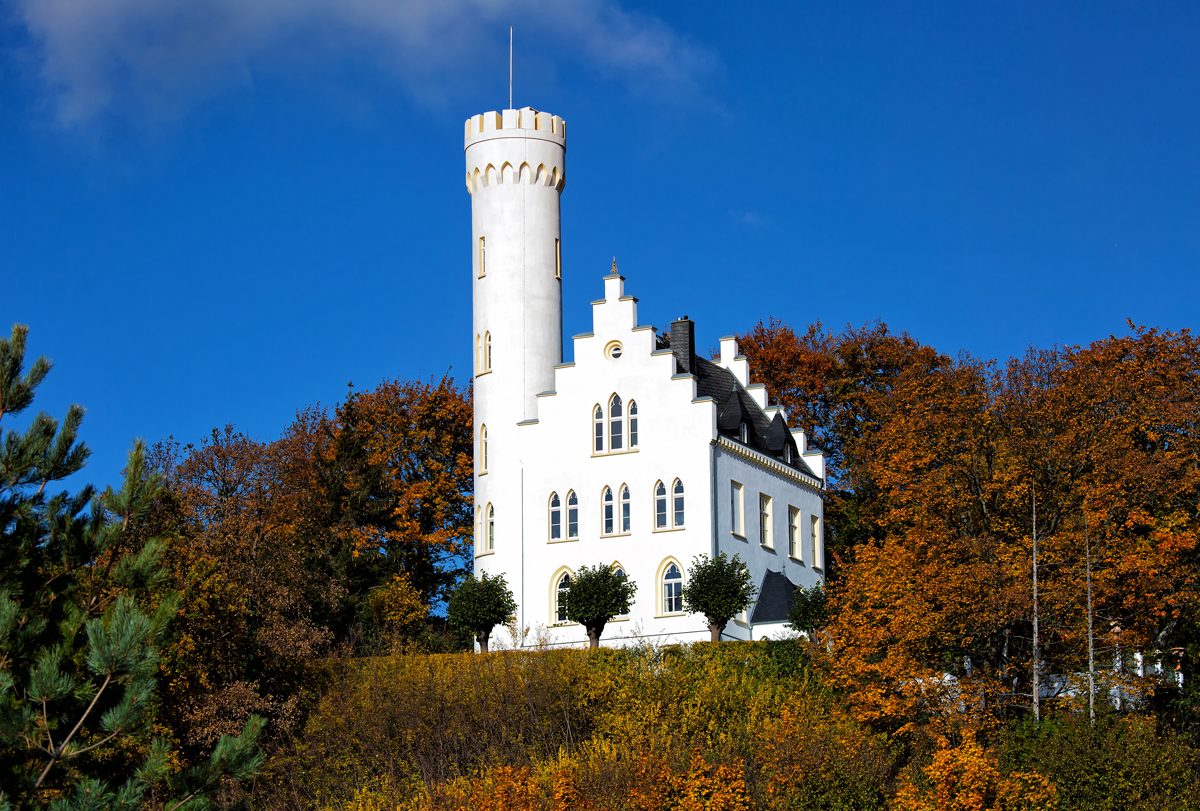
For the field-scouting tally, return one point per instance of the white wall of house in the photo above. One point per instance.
(539, 416)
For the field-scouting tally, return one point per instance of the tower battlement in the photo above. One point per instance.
(536, 124)
(523, 146)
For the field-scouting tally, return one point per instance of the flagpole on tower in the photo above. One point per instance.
(510, 28)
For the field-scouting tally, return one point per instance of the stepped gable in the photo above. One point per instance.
(735, 406)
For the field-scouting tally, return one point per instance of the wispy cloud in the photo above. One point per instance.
(95, 56)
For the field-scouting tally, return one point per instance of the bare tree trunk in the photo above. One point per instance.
(714, 631)
(483, 642)
(1037, 698)
(1087, 545)
(594, 638)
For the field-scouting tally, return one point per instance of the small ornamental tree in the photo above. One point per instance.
(478, 606)
(809, 609)
(596, 595)
(719, 588)
(82, 617)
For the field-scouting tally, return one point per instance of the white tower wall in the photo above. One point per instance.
(515, 164)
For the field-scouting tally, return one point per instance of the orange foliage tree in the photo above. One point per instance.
(934, 465)
(344, 528)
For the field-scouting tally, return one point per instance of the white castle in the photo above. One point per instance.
(640, 454)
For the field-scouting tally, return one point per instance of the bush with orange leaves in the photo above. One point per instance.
(968, 778)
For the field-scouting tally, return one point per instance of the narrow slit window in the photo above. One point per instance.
(491, 528)
(816, 561)
(735, 509)
(616, 421)
(555, 517)
(673, 590)
(660, 506)
(482, 257)
(560, 594)
(625, 505)
(609, 511)
(633, 424)
(598, 419)
(487, 351)
(557, 259)
(678, 493)
(764, 519)
(483, 449)
(572, 515)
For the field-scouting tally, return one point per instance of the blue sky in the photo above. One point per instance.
(218, 211)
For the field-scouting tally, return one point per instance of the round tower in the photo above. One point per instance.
(516, 161)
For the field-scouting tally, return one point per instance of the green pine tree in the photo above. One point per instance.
(80, 626)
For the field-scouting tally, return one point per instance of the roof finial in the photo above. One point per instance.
(614, 265)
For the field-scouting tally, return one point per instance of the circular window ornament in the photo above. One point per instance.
(614, 350)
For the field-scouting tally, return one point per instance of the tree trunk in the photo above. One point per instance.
(714, 630)
(483, 642)
(593, 638)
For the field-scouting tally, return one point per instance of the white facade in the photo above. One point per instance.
(652, 482)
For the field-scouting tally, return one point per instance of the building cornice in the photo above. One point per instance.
(764, 461)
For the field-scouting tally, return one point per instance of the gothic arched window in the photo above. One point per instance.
(678, 492)
(487, 351)
(572, 515)
(560, 595)
(555, 517)
(483, 449)
(672, 590)
(633, 424)
(660, 506)
(616, 424)
(607, 505)
(491, 528)
(598, 419)
(625, 508)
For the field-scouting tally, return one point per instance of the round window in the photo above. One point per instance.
(613, 350)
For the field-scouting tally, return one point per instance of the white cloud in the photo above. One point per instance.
(163, 55)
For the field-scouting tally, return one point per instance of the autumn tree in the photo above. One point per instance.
(718, 588)
(418, 437)
(479, 605)
(832, 386)
(596, 595)
(1103, 437)
(82, 626)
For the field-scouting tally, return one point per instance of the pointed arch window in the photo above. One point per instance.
(478, 353)
(572, 515)
(660, 506)
(555, 517)
(633, 424)
(560, 598)
(677, 492)
(672, 590)
(616, 424)
(491, 528)
(598, 419)
(609, 508)
(487, 351)
(626, 503)
(483, 449)
(482, 257)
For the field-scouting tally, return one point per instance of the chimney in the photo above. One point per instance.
(683, 344)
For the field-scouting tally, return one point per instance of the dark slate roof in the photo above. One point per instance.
(735, 406)
(774, 599)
